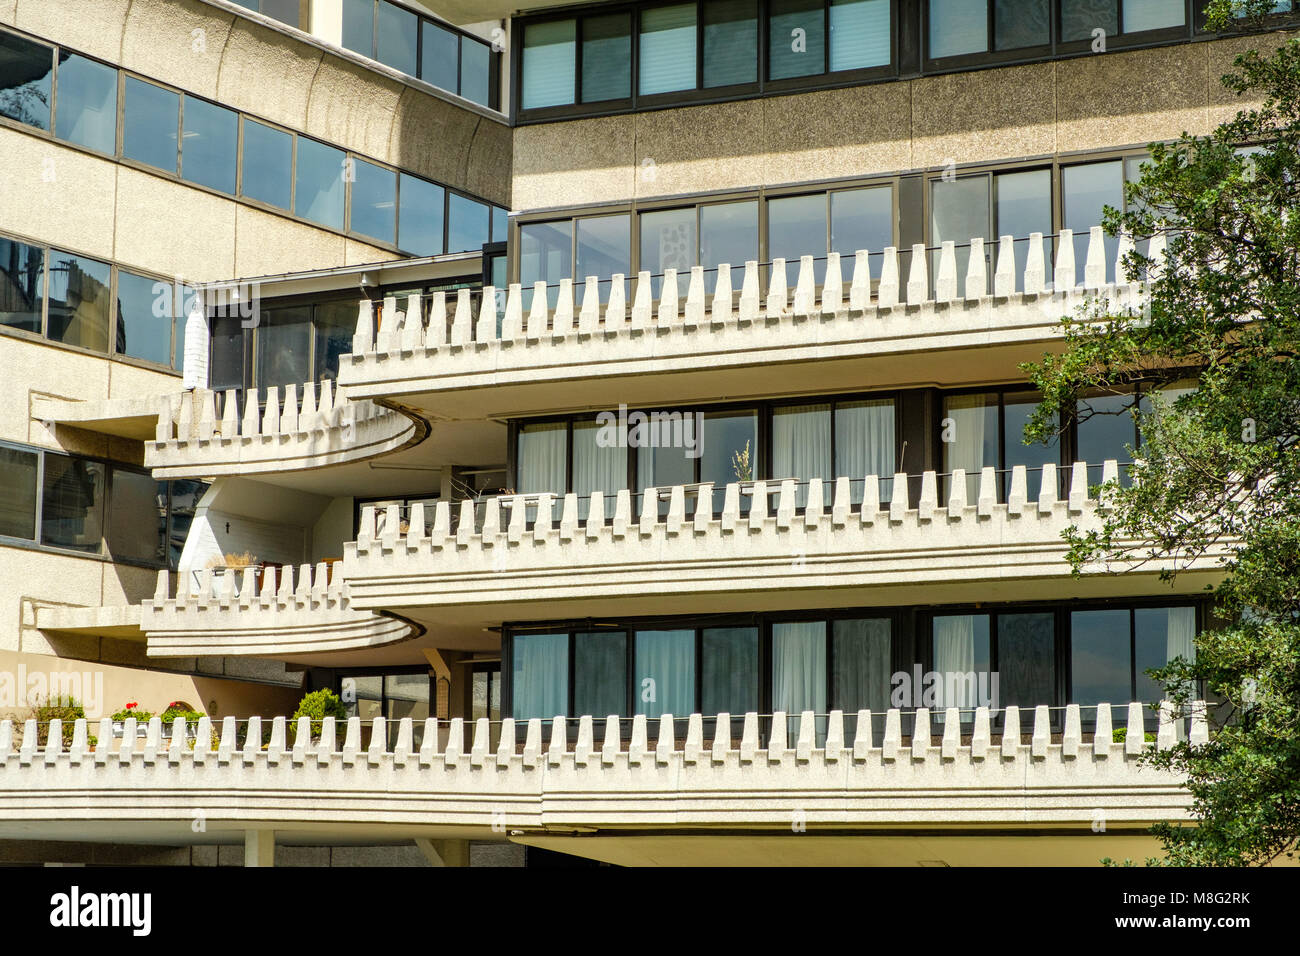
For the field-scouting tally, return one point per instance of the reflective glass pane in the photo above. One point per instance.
(599, 674)
(335, 322)
(668, 242)
(796, 38)
(1017, 407)
(17, 493)
(1023, 205)
(606, 57)
(1026, 660)
(1105, 430)
(796, 227)
(664, 677)
(396, 37)
(1161, 634)
(374, 202)
(500, 224)
(72, 503)
(959, 212)
(729, 675)
(137, 520)
(1100, 668)
(420, 219)
(210, 143)
(969, 433)
(22, 285)
(540, 675)
(860, 35)
(861, 667)
(319, 186)
(958, 27)
(87, 103)
(604, 249)
(284, 347)
(861, 219)
(545, 255)
(730, 42)
(667, 49)
(78, 301)
(1142, 15)
(728, 451)
(599, 464)
(1088, 188)
(1022, 23)
(25, 71)
(359, 26)
(438, 55)
(1079, 18)
(468, 223)
(267, 164)
(150, 121)
(728, 234)
(549, 64)
(226, 369)
(475, 71)
(144, 318)
(286, 11)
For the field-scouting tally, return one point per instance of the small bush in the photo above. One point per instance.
(1120, 734)
(132, 709)
(66, 709)
(318, 705)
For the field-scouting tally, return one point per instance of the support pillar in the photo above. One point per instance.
(259, 848)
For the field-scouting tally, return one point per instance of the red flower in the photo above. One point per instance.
(131, 705)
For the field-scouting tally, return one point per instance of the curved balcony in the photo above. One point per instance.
(264, 613)
(858, 322)
(1008, 772)
(510, 558)
(272, 435)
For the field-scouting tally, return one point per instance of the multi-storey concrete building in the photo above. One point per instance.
(619, 405)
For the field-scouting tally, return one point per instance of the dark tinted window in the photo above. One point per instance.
(420, 222)
(78, 301)
(374, 201)
(17, 493)
(72, 503)
(209, 145)
(438, 56)
(607, 57)
(318, 188)
(398, 29)
(268, 164)
(467, 224)
(144, 318)
(22, 271)
(150, 120)
(25, 69)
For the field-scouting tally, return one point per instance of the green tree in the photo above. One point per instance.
(1218, 474)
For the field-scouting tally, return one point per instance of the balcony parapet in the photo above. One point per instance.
(273, 434)
(625, 777)
(264, 612)
(860, 309)
(512, 549)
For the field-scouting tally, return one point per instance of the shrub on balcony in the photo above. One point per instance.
(318, 705)
(132, 709)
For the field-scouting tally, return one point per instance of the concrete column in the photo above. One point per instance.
(259, 848)
(444, 852)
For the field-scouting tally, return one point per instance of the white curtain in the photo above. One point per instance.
(540, 675)
(801, 445)
(540, 464)
(595, 468)
(664, 682)
(864, 445)
(954, 653)
(970, 437)
(1180, 634)
(799, 671)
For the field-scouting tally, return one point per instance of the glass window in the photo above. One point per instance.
(598, 464)
(500, 224)
(861, 219)
(208, 149)
(667, 55)
(1100, 666)
(799, 671)
(1080, 17)
(284, 346)
(18, 493)
(549, 64)
(22, 271)
(137, 520)
(796, 226)
(396, 37)
(78, 301)
(728, 451)
(969, 433)
(1023, 205)
(144, 318)
(664, 677)
(860, 34)
(865, 445)
(545, 255)
(286, 11)
(72, 503)
(668, 242)
(801, 446)
(664, 467)
(87, 113)
(1161, 634)
(335, 322)
(797, 38)
(729, 670)
(421, 216)
(1088, 189)
(861, 656)
(958, 27)
(374, 201)
(438, 56)
(540, 462)
(268, 164)
(604, 248)
(728, 233)
(150, 120)
(1017, 407)
(1022, 23)
(1104, 429)
(318, 190)
(185, 495)
(599, 674)
(730, 43)
(959, 212)
(961, 658)
(607, 57)
(25, 71)
(1026, 659)
(467, 224)
(226, 368)
(540, 675)
(359, 26)
(475, 71)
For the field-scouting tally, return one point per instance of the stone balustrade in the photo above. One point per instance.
(273, 434)
(1006, 769)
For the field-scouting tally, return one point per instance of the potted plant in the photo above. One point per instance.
(132, 709)
(230, 564)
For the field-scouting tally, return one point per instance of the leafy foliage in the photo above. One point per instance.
(318, 705)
